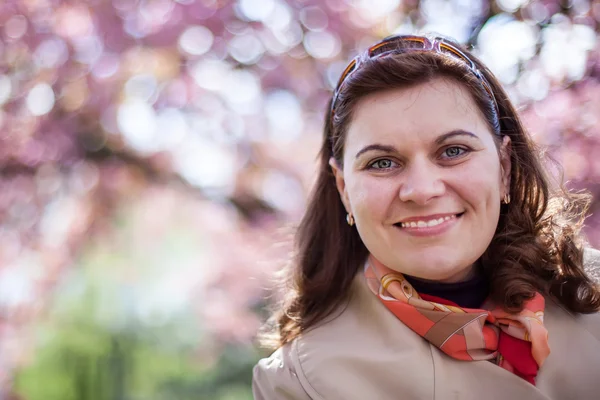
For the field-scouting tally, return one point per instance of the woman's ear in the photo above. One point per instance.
(505, 163)
(340, 183)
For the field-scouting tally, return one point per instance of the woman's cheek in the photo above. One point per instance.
(374, 195)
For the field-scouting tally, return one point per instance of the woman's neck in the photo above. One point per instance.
(469, 293)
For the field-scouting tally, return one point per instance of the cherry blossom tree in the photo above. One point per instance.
(180, 137)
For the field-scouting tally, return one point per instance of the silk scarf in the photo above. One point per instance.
(515, 342)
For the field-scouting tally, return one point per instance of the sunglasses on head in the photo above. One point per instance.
(405, 43)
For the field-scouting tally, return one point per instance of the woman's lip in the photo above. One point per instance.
(430, 217)
(430, 230)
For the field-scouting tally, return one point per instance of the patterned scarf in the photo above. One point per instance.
(515, 342)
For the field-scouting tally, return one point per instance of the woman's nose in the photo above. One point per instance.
(421, 182)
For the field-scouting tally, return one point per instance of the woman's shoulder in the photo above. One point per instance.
(591, 323)
(289, 371)
(354, 325)
(571, 369)
(358, 344)
(558, 319)
(277, 377)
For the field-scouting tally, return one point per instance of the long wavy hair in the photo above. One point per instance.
(537, 246)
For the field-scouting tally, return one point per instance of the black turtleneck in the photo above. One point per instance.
(468, 294)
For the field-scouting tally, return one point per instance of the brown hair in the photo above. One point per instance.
(537, 245)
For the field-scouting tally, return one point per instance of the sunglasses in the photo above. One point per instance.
(399, 44)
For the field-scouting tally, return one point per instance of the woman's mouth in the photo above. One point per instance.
(428, 225)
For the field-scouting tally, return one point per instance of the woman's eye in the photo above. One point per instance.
(382, 164)
(453, 152)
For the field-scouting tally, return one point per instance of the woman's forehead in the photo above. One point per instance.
(420, 112)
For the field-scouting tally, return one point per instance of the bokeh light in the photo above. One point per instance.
(155, 154)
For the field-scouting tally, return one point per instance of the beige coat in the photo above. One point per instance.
(364, 352)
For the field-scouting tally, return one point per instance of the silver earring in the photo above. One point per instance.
(349, 219)
(506, 199)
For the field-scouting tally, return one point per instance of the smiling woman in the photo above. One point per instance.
(434, 259)
(400, 176)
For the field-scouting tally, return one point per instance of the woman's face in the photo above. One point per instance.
(424, 180)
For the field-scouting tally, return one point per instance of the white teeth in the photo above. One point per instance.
(426, 224)
(435, 222)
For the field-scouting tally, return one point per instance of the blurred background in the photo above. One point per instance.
(155, 156)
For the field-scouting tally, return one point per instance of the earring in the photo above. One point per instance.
(506, 199)
(349, 219)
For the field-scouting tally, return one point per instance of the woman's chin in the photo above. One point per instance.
(438, 270)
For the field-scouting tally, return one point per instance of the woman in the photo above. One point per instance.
(434, 260)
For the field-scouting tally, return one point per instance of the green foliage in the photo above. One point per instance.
(79, 357)
(80, 362)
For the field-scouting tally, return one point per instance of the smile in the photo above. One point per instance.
(428, 225)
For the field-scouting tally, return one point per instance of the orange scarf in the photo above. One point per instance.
(464, 333)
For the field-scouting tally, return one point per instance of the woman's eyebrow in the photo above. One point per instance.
(458, 132)
(376, 146)
(439, 140)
